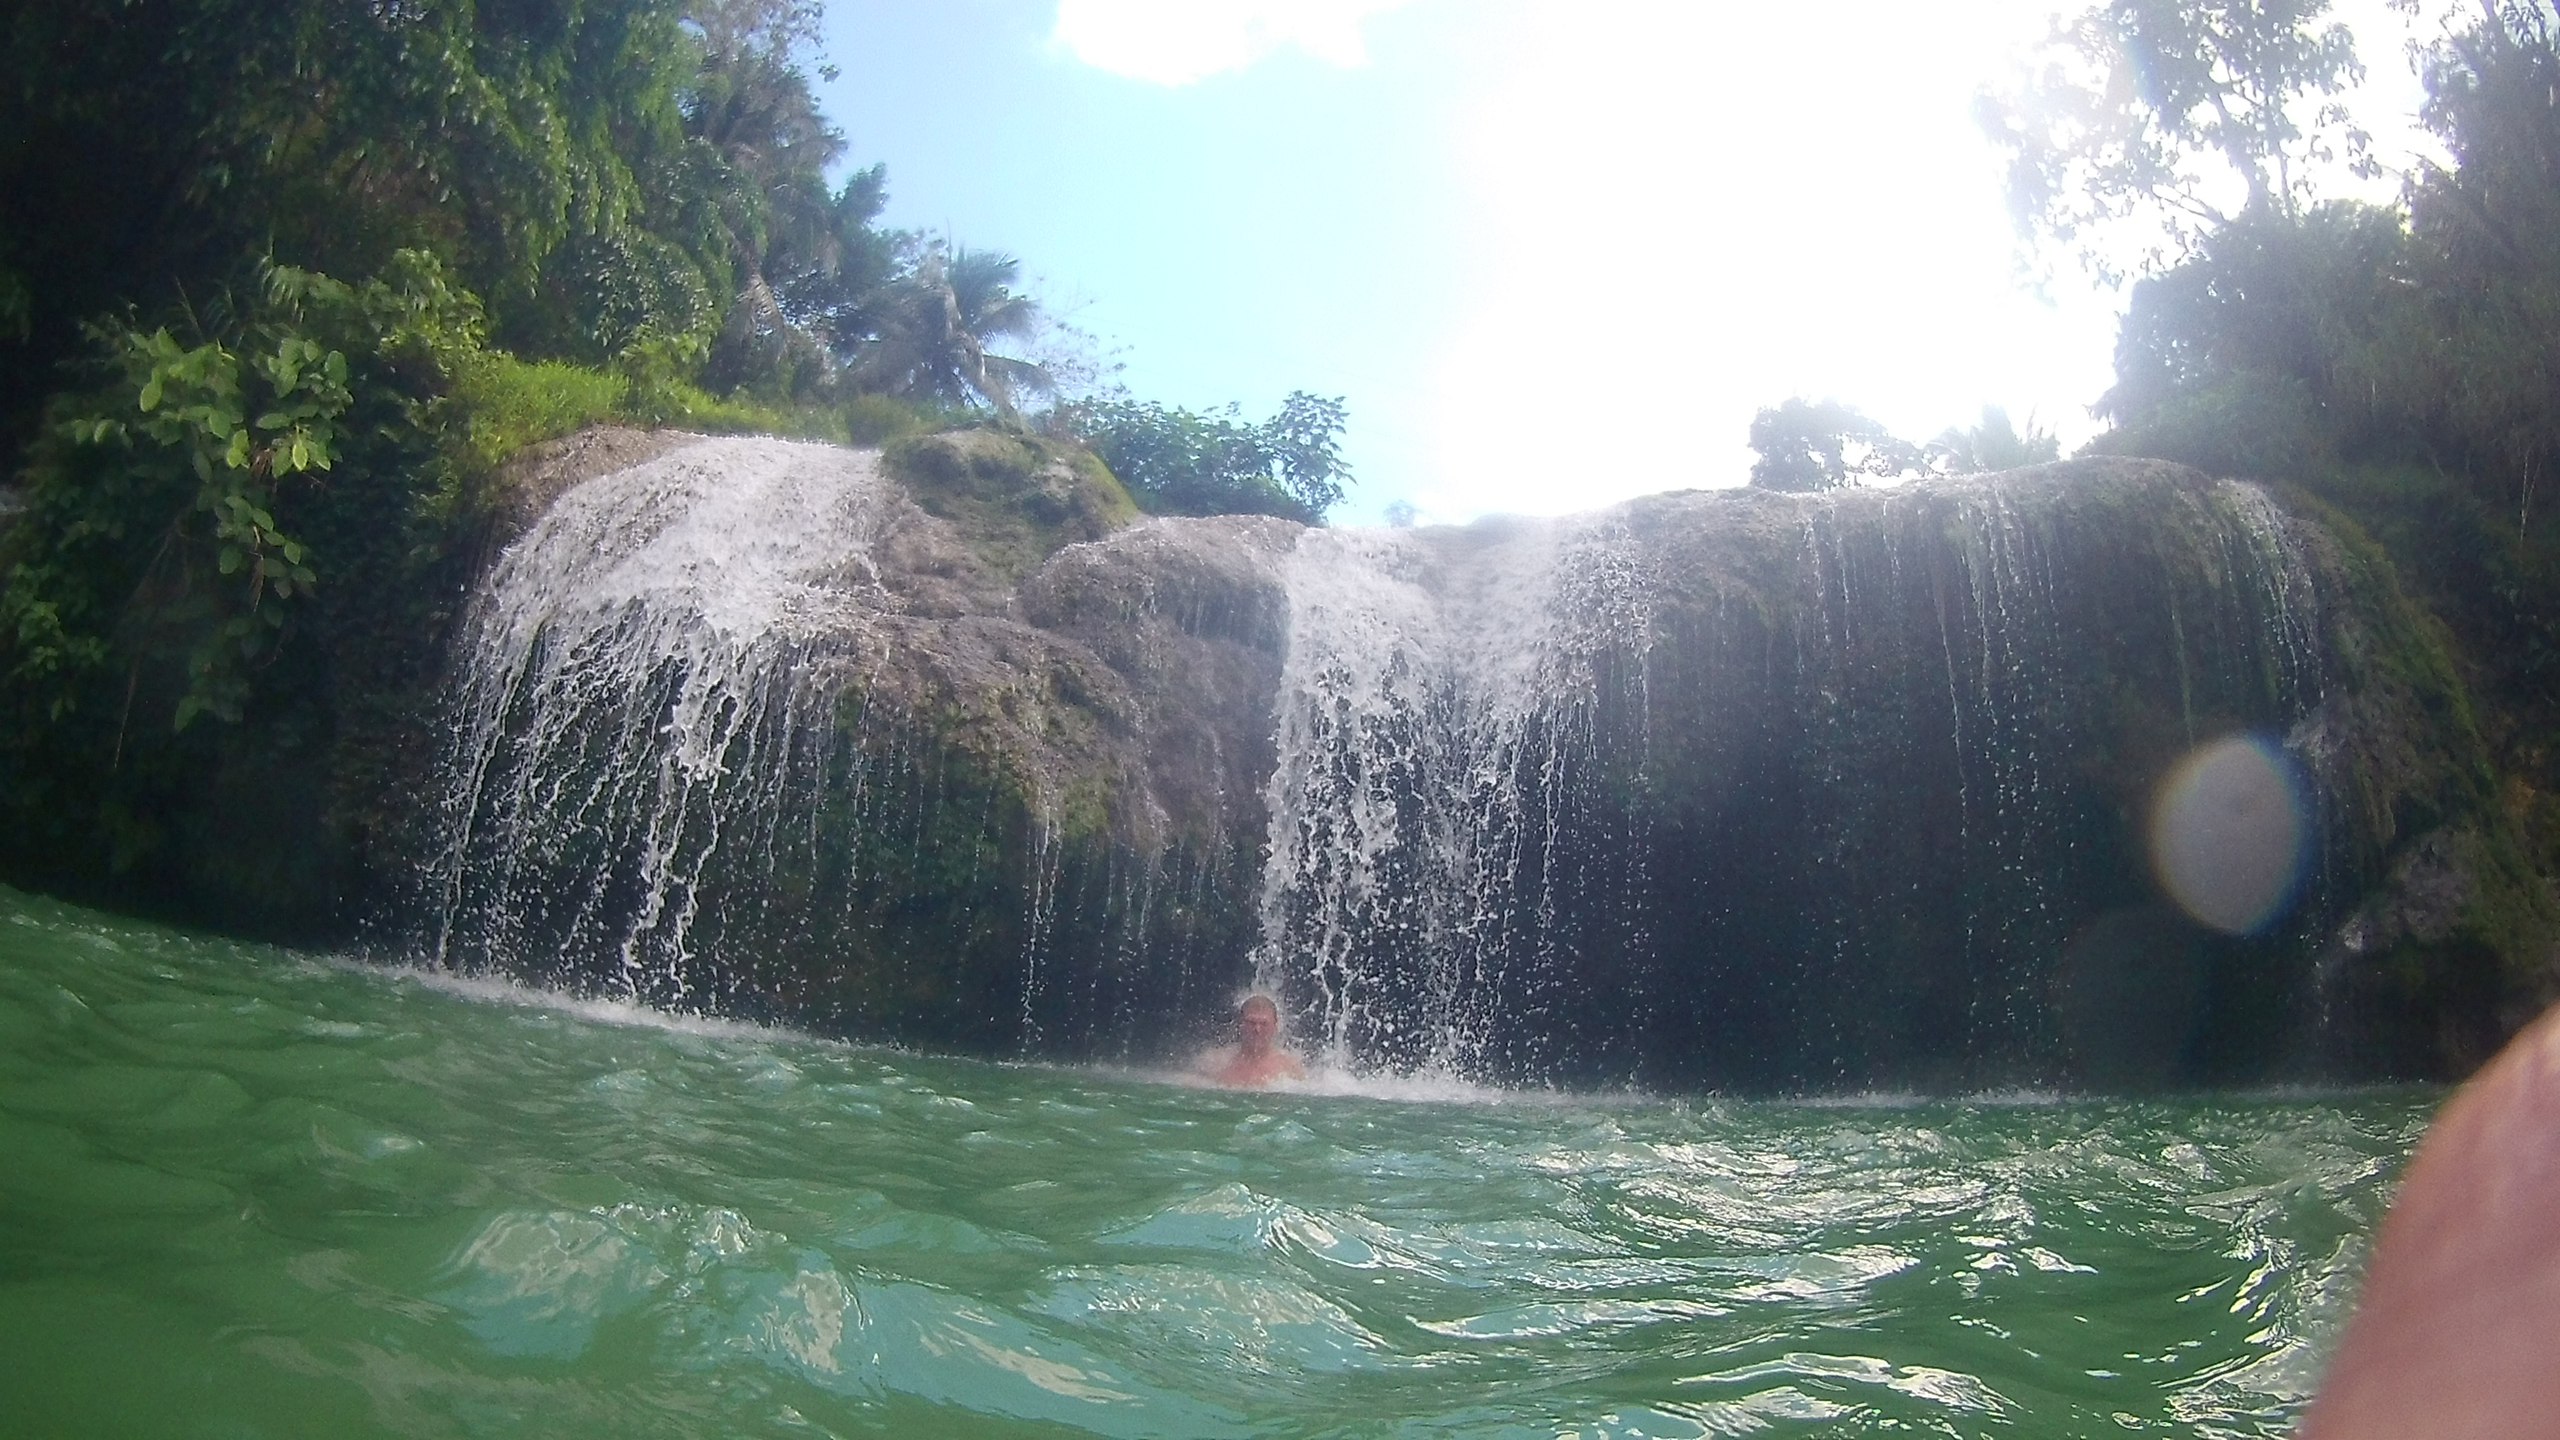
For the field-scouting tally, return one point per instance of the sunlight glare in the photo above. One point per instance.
(2229, 836)
(1694, 212)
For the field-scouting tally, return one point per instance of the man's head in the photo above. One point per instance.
(1257, 1024)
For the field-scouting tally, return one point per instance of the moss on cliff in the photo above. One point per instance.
(1016, 498)
(2450, 947)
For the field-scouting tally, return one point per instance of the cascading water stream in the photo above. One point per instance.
(747, 730)
(649, 677)
(1710, 788)
(1436, 731)
(1554, 794)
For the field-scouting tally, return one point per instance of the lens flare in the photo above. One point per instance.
(2228, 834)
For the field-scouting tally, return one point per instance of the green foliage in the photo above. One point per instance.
(167, 145)
(2287, 343)
(186, 458)
(1015, 498)
(2183, 112)
(631, 184)
(2488, 232)
(1180, 462)
(1822, 445)
(1814, 445)
(2259, 426)
(501, 404)
(282, 284)
(690, 408)
(810, 268)
(1995, 444)
(2404, 367)
(936, 323)
(882, 419)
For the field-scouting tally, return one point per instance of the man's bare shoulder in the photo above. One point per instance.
(1250, 1070)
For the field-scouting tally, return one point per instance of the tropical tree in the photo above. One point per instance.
(2181, 114)
(807, 260)
(157, 154)
(1181, 462)
(2488, 233)
(1823, 444)
(1994, 444)
(937, 324)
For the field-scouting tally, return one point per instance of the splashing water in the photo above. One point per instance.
(1438, 716)
(1720, 789)
(1554, 796)
(651, 671)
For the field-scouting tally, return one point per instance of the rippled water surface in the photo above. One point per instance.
(249, 1194)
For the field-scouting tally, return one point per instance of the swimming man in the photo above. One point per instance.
(1257, 1058)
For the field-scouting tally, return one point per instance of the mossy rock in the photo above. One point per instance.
(1015, 498)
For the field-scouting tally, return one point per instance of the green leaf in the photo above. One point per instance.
(151, 393)
(229, 563)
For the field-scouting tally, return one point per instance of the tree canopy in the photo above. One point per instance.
(281, 283)
(1180, 462)
(1813, 445)
(2402, 362)
(1809, 445)
(2181, 113)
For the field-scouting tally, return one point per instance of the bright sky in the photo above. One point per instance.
(1552, 252)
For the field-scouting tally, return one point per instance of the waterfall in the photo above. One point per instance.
(1834, 778)
(1439, 741)
(1708, 788)
(744, 729)
(649, 677)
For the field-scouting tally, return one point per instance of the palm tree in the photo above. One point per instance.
(1995, 444)
(760, 150)
(936, 324)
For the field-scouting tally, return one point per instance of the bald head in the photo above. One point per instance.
(1257, 1025)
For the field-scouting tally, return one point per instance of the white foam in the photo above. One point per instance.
(648, 671)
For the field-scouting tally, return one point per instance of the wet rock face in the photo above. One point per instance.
(1767, 792)
(1709, 789)
(748, 726)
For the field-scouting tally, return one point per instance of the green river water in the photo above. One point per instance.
(248, 1193)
